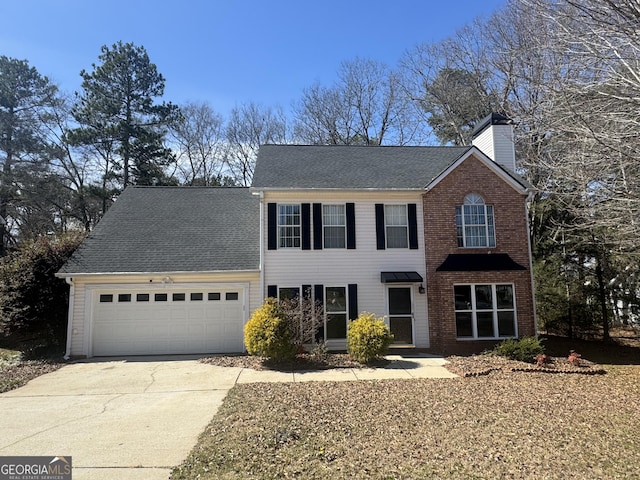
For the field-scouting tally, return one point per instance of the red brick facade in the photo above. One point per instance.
(510, 217)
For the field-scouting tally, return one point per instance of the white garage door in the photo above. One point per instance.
(168, 321)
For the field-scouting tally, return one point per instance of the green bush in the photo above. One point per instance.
(368, 338)
(524, 349)
(33, 302)
(268, 333)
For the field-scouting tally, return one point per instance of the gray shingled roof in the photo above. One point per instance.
(173, 229)
(347, 167)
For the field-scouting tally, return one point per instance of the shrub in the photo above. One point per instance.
(304, 316)
(268, 333)
(368, 338)
(525, 349)
(33, 302)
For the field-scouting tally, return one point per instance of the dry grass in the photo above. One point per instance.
(503, 424)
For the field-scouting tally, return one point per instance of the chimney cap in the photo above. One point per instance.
(491, 119)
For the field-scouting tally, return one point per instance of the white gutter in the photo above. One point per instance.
(72, 295)
(154, 274)
(333, 190)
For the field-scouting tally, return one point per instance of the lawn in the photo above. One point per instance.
(512, 425)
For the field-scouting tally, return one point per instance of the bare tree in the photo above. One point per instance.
(199, 144)
(250, 126)
(364, 107)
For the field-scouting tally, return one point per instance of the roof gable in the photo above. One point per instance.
(173, 229)
(350, 167)
(514, 180)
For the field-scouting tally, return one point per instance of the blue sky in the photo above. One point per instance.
(233, 51)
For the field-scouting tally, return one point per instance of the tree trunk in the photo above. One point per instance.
(5, 186)
(603, 299)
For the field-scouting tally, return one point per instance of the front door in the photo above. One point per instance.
(401, 315)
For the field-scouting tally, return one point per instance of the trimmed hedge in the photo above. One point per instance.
(268, 333)
(525, 349)
(368, 338)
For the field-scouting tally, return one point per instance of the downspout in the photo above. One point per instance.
(533, 285)
(72, 294)
(261, 247)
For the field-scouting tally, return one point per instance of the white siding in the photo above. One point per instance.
(362, 266)
(87, 285)
(497, 142)
(78, 330)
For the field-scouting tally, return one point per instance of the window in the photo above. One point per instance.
(335, 307)
(231, 296)
(195, 297)
(106, 298)
(396, 226)
(289, 231)
(179, 297)
(288, 293)
(142, 297)
(124, 297)
(474, 223)
(213, 296)
(160, 297)
(334, 226)
(484, 311)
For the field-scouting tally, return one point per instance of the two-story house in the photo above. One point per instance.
(434, 239)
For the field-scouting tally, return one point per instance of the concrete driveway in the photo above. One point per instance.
(138, 417)
(126, 419)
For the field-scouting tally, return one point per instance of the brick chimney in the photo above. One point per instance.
(494, 137)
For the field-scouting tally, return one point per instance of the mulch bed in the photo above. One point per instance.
(304, 361)
(15, 374)
(470, 366)
(476, 365)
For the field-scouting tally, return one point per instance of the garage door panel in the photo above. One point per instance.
(143, 325)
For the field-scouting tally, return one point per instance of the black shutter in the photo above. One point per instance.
(380, 226)
(272, 291)
(272, 226)
(306, 226)
(353, 301)
(318, 293)
(317, 226)
(351, 226)
(413, 226)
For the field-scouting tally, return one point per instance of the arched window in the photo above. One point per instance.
(474, 223)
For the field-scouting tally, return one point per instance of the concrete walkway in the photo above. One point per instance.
(135, 418)
(417, 366)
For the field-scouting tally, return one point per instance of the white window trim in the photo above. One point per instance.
(495, 310)
(325, 312)
(406, 225)
(279, 227)
(488, 237)
(292, 287)
(344, 225)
